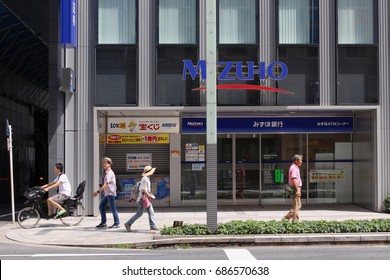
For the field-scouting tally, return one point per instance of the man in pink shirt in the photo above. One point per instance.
(295, 182)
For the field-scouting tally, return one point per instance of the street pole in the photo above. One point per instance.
(211, 114)
(9, 146)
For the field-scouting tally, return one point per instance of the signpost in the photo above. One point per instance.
(211, 113)
(8, 132)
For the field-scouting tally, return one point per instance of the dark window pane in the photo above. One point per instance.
(171, 89)
(357, 79)
(302, 78)
(116, 75)
(242, 54)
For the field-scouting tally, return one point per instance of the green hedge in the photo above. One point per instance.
(282, 227)
(387, 204)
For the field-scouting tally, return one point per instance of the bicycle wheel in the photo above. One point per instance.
(28, 217)
(73, 216)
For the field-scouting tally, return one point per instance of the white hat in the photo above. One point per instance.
(148, 170)
(107, 159)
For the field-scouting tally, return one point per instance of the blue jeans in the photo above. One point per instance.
(102, 207)
(140, 212)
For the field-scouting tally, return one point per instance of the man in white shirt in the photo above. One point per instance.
(64, 191)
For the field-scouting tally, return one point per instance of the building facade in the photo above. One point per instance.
(24, 98)
(304, 77)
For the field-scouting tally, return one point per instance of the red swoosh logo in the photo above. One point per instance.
(247, 87)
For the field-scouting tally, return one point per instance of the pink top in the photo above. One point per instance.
(293, 173)
(110, 179)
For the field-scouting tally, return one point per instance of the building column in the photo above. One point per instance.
(383, 129)
(79, 112)
(327, 52)
(146, 55)
(267, 52)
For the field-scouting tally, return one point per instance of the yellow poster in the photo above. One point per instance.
(317, 176)
(138, 139)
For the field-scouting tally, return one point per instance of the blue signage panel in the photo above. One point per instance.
(68, 23)
(271, 125)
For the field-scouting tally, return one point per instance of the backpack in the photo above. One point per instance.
(119, 186)
(135, 192)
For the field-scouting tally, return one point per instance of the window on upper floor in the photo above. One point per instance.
(116, 75)
(117, 22)
(242, 97)
(298, 21)
(357, 22)
(357, 75)
(171, 89)
(298, 39)
(357, 52)
(238, 21)
(177, 21)
(177, 40)
(302, 78)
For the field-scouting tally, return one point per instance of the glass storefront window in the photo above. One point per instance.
(177, 21)
(237, 21)
(193, 167)
(298, 22)
(117, 22)
(302, 78)
(357, 22)
(357, 75)
(116, 75)
(253, 168)
(171, 89)
(330, 168)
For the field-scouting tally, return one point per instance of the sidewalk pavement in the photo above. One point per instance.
(53, 232)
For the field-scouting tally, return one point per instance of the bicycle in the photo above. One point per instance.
(29, 217)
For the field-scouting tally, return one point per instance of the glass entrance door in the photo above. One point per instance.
(238, 169)
(224, 171)
(247, 167)
(277, 152)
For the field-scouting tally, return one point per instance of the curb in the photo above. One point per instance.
(266, 240)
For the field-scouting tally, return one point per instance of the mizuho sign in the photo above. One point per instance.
(232, 70)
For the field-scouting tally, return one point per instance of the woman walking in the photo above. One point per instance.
(144, 200)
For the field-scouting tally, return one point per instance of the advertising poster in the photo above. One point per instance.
(138, 161)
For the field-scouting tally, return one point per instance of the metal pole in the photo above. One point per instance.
(9, 146)
(211, 113)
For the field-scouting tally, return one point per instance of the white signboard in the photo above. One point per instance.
(138, 161)
(143, 125)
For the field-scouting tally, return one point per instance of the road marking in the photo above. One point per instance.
(76, 255)
(239, 254)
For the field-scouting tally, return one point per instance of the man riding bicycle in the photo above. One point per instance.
(64, 191)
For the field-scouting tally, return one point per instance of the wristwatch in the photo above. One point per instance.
(98, 191)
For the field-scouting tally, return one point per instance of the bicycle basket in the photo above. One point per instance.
(34, 193)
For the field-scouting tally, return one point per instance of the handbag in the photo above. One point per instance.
(290, 190)
(145, 202)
